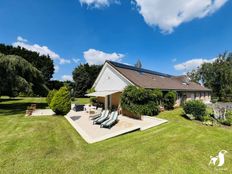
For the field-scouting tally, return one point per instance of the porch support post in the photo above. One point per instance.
(110, 102)
(106, 102)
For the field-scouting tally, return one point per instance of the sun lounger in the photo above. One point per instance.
(112, 119)
(102, 117)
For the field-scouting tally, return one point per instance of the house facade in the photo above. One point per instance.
(114, 77)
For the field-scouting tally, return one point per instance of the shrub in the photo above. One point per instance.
(158, 94)
(195, 107)
(208, 123)
(140, 101)
(169, 100)
(214, 99)
(61, 102)
(50, 96)
(229, 115)
(207, 118)
(93, 101)
(227, 122)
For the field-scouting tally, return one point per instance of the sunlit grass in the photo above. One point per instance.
(51, 145)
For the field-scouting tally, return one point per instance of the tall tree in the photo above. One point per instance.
(18, 75)
(42, 62)
(84, 76)
(216, 76)
(55, 84)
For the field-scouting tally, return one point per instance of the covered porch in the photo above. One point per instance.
(110, 99)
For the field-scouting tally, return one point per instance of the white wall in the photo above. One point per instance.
(110, 80)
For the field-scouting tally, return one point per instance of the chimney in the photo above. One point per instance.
(138, 64)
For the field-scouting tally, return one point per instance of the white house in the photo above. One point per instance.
(114, 77)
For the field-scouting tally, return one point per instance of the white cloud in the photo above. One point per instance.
(192, 64)
(67, 77)
(76, 60)
(42, 50)
(168, 14)
(21, 39)
(56, 67)
(97, 57)
(64, 61)
(98, 3)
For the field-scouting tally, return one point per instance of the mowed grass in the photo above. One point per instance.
(51, 145)
(81, 101)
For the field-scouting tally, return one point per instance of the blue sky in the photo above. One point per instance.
(168, 37)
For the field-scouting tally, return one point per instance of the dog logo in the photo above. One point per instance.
(220, 158)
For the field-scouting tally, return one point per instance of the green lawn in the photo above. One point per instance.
(51, 145)
(82, 101)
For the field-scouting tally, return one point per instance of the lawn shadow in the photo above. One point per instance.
(9, 99)
(18, 108)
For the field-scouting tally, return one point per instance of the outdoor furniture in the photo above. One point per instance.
(88, 108)
(77, 108)
(112, 119)
(102, 118)
(96, 115)
(30, 109)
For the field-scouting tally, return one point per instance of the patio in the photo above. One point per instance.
(93, 133)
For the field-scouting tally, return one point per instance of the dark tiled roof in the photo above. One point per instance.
(152, 79)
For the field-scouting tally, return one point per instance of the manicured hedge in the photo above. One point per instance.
(61, 102)
(169, 100)
(195, 107)
(140, 101)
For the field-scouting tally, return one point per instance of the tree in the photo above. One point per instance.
(169, 100)
(42, 62)
(159, 95)
(216, 76)
(55, 84)
(50, 96)
(140, 101)
(84, 76)
(61, 102)
(18, 75)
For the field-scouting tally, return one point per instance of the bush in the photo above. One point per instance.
(169, 100)
(93, 101)
(195, 107)
(61, 102)
(229, 115)
(227, 122)
(140, 101)
(214, 99)
(207, 118)
(50, 96)
(158, 94)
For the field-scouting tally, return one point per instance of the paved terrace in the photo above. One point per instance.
(43, 112)
(93, 133)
